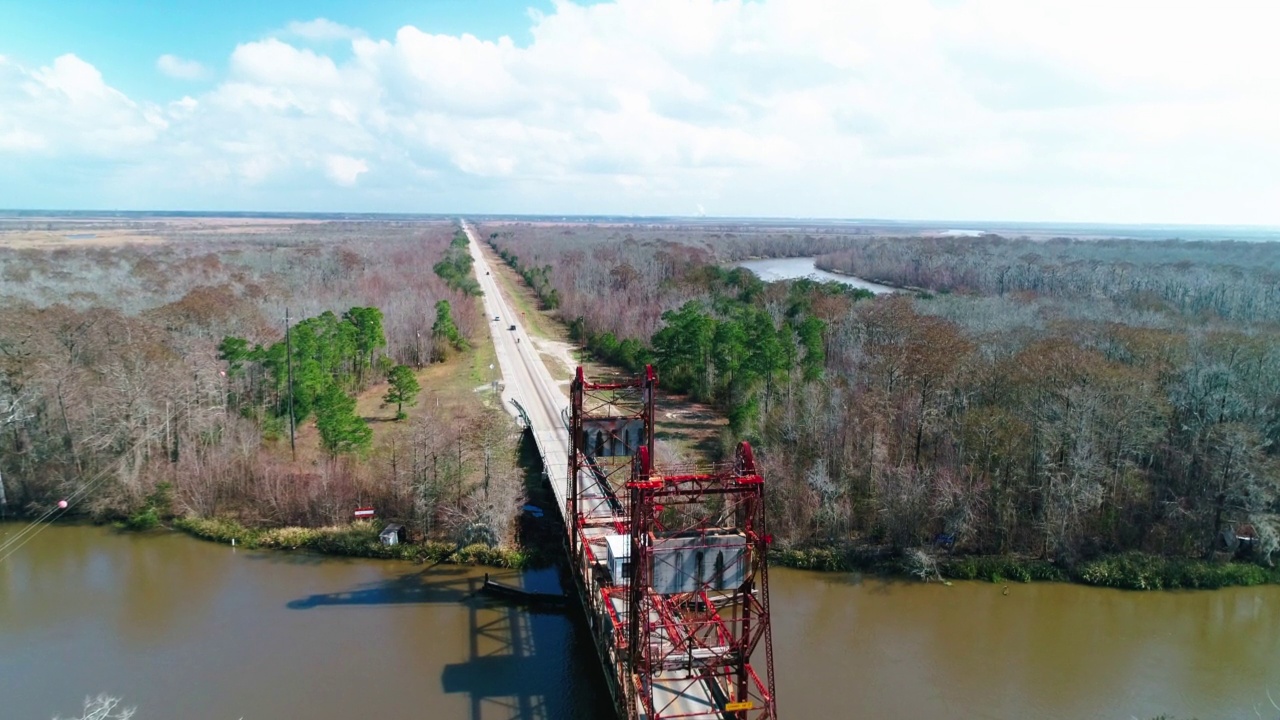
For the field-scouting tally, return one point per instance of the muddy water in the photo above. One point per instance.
(852, 647)
(774, 269)
(186, 629)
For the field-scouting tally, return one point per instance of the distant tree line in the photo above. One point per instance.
(455, 267)
(1229, 281)
(537, 278)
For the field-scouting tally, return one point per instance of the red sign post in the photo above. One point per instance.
(364, 513)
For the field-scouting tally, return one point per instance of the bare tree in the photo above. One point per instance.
(104, 707)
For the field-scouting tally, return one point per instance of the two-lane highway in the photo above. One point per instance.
(525, 376)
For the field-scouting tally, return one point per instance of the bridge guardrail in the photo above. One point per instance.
(526, 423)
(524, 416)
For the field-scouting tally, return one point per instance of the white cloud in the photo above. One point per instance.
(20, 141)
(1088, 110)
(345, 170)
(321, 29)
(180, 69)
(67, 110)
(274, 63)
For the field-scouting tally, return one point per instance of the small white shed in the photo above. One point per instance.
(619, 558)
(392, 534)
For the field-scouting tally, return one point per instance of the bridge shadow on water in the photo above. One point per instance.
(522, 663)
(435, 585)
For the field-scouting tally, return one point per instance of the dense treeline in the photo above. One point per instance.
(113, 382)
(316, 369)
(1062, 417)
(1232, 281)
(610, 279)
(455, 267)
(728, 347)
(537, 278)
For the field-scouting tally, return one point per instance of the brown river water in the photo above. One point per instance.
(191, 630)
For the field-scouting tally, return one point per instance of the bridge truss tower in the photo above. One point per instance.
(609, 422)
(671, 562)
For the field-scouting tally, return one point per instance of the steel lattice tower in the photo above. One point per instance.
(672, 563)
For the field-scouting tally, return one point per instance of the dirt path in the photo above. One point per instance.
(560, 357)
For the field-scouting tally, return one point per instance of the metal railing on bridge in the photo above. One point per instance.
(525, 422)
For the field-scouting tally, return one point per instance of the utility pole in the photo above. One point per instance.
(288, 361)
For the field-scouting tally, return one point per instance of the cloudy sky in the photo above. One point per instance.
(1108, 111)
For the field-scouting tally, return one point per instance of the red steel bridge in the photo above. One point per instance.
(669, 562)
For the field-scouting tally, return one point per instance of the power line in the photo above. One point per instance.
(36, 526)
(39, 524)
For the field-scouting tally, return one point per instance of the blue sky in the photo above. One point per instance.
(1086, 111)
(122, 38)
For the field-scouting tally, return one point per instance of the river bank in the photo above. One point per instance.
(775, 269)
(539, 545)
(359, 539)
(1125, 571)
(874, 281)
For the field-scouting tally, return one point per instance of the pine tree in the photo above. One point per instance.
(341, 429)
(404, 389)
(444, 330)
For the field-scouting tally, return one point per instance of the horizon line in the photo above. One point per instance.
(50, 212)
